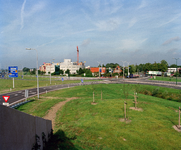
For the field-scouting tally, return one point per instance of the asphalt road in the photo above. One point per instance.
(17, 96)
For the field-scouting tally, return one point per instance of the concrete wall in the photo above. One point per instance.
(18, 129)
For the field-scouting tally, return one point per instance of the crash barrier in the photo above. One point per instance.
(22, 131)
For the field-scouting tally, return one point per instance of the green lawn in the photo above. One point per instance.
(172, 79)
(80, 125)
(7, 84)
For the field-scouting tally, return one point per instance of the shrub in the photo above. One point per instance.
(146, 92)
(156, 92)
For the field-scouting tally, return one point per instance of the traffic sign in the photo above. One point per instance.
(6, 98)
(13, 71)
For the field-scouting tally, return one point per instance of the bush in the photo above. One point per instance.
(155, 92)
(146, 92)
(115, 74)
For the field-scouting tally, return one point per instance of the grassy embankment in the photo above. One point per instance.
(171, 79)
(80, 125)
(31, 82)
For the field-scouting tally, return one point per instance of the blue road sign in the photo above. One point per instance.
(13, 71)
(62, 79)
(100, 70)
(82, 80)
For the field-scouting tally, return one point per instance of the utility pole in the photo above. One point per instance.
(99, 68)
(123, 68)
(128, 69)
(176, 68)
(50, 69)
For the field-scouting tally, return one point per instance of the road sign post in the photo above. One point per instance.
(26, 94)
(13, 83)
(6, 100)
(13, 72)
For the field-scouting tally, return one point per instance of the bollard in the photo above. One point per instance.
(125, 110)
(135, 101)
(101, 94)
(179, 119)
(93, 97)
(46, 91)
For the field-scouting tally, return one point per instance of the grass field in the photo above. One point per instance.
(6, 84)
(172, 79)
(80, 125)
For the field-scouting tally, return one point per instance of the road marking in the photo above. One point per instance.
(16, 95)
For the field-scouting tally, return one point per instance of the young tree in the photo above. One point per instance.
(155, 66)
(164, 62)
(173, 66)
(67, 71)
(26, 69)
(132, 69)
(60, 71)
(80, 71)
(147, 67)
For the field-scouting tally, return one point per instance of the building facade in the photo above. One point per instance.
(44, 67)
(117, 70)
(67, 64)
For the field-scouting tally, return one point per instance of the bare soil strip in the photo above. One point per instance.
(138, 109)
(52, 112)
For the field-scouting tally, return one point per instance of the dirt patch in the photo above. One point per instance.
(52, 112)
(4, 91)
(138, 109)
(93, 103)
(52, 97)
(177, 128)
(123, 120)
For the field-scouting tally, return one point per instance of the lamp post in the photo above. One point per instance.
(128, 69)
(176, 68)
(36, 71)
(123, 68)
(99, 68)
(50, 70)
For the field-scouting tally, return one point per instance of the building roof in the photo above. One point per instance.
(96, 69)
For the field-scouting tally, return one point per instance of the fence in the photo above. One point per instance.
(22, 131)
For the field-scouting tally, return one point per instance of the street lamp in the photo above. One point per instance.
(176, 68)
(50, 70)
(128, 69)
(36, 71)
(99, 68)
(123, 68)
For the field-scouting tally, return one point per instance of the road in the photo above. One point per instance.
(17, 96)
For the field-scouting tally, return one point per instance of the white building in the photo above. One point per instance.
(67, 64)
(171, 70)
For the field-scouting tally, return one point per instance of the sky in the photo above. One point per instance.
(106, 31)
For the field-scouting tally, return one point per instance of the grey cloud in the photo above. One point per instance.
(171, 40)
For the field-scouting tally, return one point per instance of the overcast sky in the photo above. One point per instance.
(137, 31)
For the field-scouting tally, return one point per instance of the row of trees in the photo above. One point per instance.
(162, 66)
(33, 72)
